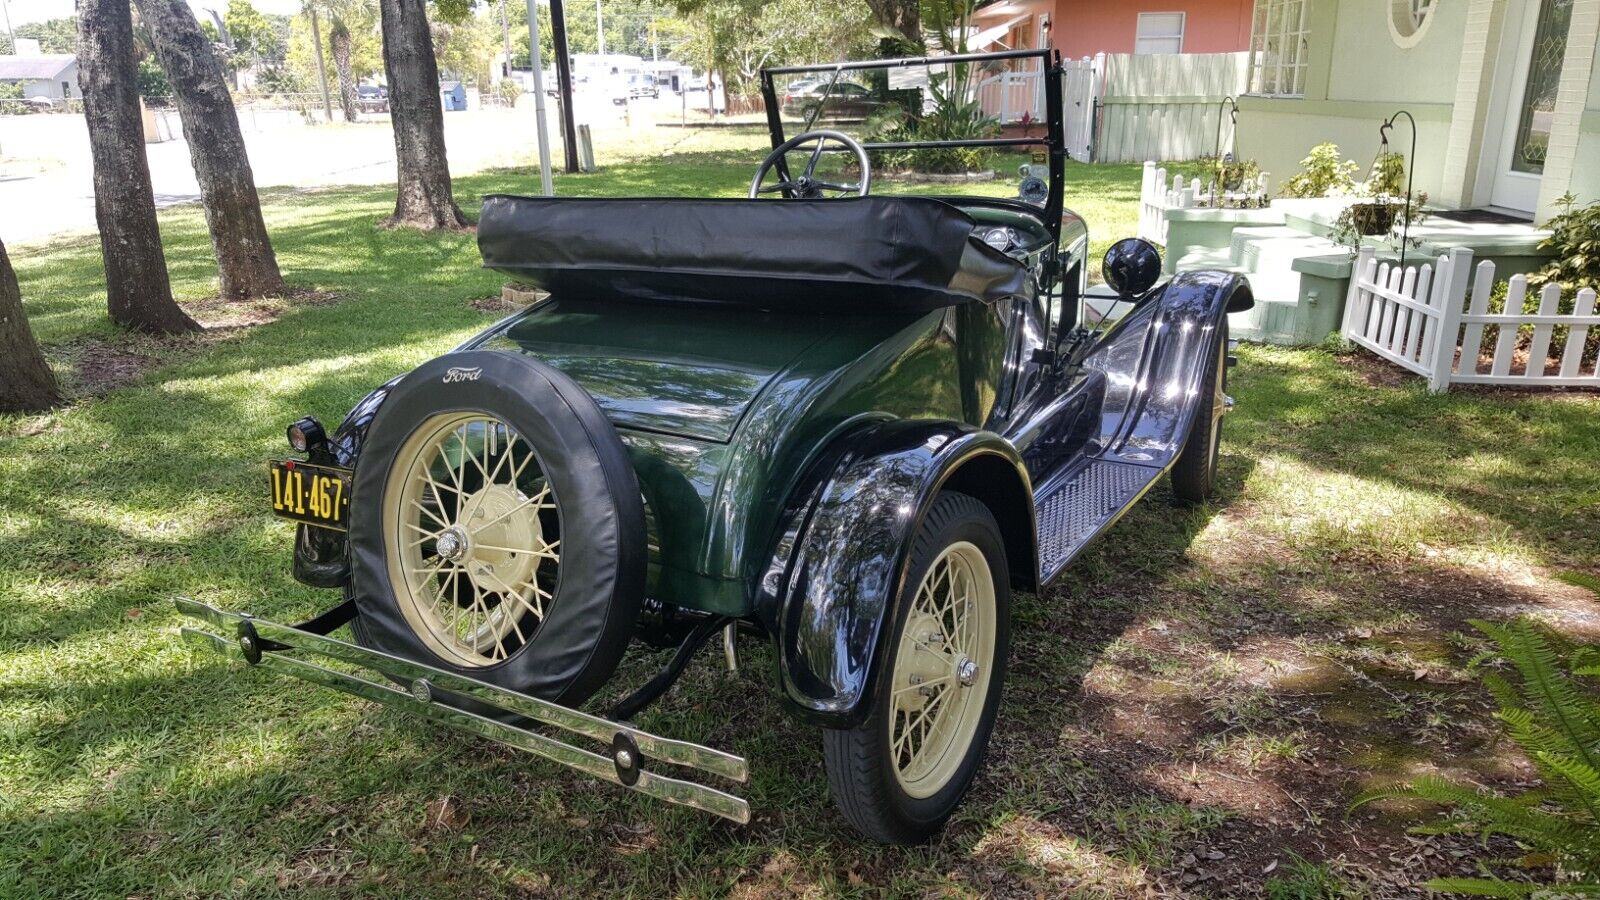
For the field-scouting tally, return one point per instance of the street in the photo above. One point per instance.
(46, 176)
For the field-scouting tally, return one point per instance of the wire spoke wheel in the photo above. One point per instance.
(942, 670)
(474, 536)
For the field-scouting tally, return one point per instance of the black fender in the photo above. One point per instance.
(321, 557)
(1153, 361)
(840, 563)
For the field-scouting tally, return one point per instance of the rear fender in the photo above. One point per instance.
(841, 561)
(320, 555)
(1154, 361)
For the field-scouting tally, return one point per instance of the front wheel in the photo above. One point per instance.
(899, 775)
(1194, 475)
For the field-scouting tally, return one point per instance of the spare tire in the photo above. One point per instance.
(497, 528)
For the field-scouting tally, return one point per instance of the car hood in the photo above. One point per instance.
(679, 369)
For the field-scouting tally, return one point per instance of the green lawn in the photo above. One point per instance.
(1189, 712)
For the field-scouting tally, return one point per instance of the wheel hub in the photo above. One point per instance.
(495, 553)
(453, 544)
(967, 672)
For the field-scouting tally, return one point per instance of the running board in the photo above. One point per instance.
(269, 645)
(1081, 506)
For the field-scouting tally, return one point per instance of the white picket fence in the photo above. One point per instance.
(1415, 317)
(1157, 194)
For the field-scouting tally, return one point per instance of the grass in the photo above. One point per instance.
(1200, 696)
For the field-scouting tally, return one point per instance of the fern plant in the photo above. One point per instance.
(1552, 712)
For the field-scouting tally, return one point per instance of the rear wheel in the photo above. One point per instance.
(899, 775)
(1194, 475)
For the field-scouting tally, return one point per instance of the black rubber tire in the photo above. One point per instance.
(860, 771)
(603, 553)
(1194, 475)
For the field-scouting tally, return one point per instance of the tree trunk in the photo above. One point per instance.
(339, 37)
(137, 290)
(904, 16)
(26, 382)
(246, 265)
(423, 196)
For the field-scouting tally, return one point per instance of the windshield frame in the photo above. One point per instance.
(1052, 140)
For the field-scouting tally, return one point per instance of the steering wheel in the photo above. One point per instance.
(808, 186)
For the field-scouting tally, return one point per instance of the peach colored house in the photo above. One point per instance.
(1086, 27)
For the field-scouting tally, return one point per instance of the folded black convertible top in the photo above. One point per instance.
(890, 252)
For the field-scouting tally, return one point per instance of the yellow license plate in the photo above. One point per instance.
(309, 493)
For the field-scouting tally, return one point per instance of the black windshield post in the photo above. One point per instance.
(769, 97)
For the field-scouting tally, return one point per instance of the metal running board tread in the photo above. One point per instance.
(618, 766)
(1081, 507)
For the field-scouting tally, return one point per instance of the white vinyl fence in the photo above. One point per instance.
(1416, 317)
(1166, 105)
(1009, 96)
(1080, 100)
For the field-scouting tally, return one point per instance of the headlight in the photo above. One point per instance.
(305, 434)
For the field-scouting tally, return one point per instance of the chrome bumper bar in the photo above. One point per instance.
(624, 764)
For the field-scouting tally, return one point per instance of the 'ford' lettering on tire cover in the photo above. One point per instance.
(459, 374)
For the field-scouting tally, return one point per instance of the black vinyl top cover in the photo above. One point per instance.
(893, 252)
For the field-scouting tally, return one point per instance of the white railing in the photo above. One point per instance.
(1415, 317)
(1008, 95)
(1157, 194)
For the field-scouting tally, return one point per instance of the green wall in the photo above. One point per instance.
(1368, 65)
(1358, 76)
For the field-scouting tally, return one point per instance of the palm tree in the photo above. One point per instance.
(246, 264)
(339, 39)
(138, 293)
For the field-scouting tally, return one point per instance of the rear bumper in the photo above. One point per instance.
(629, 761)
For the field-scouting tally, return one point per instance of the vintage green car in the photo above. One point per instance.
(852, 426)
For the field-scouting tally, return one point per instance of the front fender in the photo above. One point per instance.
(842, 563)
(1154, 362)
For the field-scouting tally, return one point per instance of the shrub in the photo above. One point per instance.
(1551, 712)
(1575, 242)
(1323, 173)
(947, 122)
(509, 90)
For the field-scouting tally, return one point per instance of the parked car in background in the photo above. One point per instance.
(372, 98)
(843, 100)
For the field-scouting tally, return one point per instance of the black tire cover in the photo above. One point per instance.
(603, 551)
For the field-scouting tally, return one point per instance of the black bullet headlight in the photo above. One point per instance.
(306, 434)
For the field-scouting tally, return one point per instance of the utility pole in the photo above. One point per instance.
(558, 35)
(536, 59)
(600, 27)
(505, 33)
(322, 71)
(5, 7)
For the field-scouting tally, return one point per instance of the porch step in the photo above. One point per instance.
(1207, 258)
(1275, 248)
(1082, 506)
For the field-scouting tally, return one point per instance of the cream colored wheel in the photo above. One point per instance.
(942, 670)
(474, 538)
(899, 773)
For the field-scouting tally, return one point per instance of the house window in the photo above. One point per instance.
(1159, 32)
(1408, 19)
(1279, 41)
